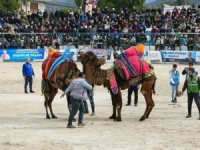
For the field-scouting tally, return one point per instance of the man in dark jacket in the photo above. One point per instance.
(192, 84)
(28, 73)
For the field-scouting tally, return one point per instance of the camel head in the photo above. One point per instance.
(91, 65)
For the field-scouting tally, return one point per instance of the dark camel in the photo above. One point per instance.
(97, 76)
(60, 79)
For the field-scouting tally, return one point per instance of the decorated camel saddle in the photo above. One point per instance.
(132, 66)
(53, 70)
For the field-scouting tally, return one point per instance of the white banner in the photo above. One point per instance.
(154, 56)
(197, 57)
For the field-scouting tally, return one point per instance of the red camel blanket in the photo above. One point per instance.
(48, 63)
(113, 84)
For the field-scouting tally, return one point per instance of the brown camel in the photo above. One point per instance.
(97, 76)
(59, 80)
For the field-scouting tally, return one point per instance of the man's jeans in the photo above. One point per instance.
(91, 98)
(174, 90)
(77, 104)
(28, 80)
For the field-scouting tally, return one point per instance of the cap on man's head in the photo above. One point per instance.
(81, 75)
(190, 63)
(174, 65)
(27, 58)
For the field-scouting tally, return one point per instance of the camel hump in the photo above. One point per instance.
(131, 67)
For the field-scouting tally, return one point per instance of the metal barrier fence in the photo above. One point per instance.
(153, 41)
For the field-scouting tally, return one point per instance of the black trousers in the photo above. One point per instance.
(84, 102)
(28, 80)
(57, 45)
(130, 91)
(192, 96)
(77, 105)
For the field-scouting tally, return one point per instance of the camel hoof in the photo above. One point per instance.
(54, 117)
(48, 117)
(142, 118)
(117, 120)
(112, 117)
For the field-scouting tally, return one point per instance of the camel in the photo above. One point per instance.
(97, 76)
(60, 79)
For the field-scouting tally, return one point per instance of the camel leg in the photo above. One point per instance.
(151, 105)
(146, 96)
(46, 106)
(53, 94)
(113, 116)
(46, 92)
(118, 98)
(146, 90)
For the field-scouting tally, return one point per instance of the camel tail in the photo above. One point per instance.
(44, 83)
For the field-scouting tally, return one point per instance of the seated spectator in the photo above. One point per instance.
(190, 44)
(172, 42)
(158, 43)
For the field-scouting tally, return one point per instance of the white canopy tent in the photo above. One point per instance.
(58, 3)
(34, 5)
(170, 8)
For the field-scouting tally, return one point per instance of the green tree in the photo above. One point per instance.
(78, 2)
(9, 5)
(117, 3)
(181, 2)
(122, 3)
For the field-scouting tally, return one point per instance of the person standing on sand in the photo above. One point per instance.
(28, 73)
(174, 82)
(192, 84)
(78, 94)
(134, 88)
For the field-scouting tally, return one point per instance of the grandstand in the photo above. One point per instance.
(102, 28)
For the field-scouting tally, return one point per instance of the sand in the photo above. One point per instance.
(23, 124)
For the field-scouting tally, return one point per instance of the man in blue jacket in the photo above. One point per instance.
(28, 73)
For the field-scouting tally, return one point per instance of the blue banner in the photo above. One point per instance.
(22, 54)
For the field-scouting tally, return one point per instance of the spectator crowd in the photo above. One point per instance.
(102, 27)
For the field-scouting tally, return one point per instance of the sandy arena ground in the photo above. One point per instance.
(23, 124)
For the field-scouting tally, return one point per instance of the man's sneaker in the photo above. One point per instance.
(93, 114)
(188, 116)
(32, 91)
(86, 111)
(74, 120)
(81, 124)
(26, 92)
(128, 104)
(71, 126)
